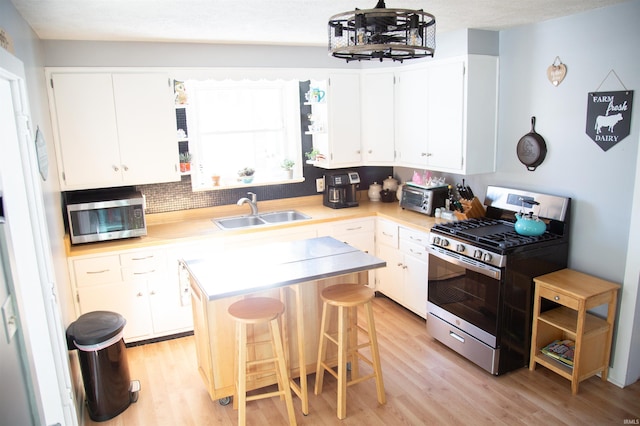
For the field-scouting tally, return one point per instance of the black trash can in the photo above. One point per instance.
(103, 363)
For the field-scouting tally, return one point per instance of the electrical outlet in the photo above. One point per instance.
(320, 184)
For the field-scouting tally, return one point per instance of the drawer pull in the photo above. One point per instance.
(98, 272)
(556, 298)
(142, 258)
(414, 238)
(139, 294)
(455, 336)
(354, 229)
(419, 253)
(144, 272)
(387, 235)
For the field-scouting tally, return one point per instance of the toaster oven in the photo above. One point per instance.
(423, 200)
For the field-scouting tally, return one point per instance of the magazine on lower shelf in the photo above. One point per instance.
(561, 350)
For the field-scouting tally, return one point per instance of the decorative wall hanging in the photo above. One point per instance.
(609, 115)
(41, 153)
(556, 71)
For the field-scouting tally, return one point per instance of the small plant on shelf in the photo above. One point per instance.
(246, 174)
(185, 161)
(287, 164)
(311, 155)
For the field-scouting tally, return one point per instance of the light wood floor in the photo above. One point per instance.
(426, 384)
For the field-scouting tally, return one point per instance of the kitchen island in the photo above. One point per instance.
(293, 271)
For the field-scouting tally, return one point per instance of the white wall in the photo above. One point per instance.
(602, 184)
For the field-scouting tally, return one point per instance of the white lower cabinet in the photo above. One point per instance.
(359, 233)
(405, 278)
(139, 285)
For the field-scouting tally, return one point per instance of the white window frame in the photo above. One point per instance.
(285, 122)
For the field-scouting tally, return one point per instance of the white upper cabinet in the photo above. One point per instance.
(341, 142)
(113, 129)
(446, 115)
(411, 117)
(377, 113)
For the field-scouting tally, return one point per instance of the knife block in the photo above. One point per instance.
(472, 208)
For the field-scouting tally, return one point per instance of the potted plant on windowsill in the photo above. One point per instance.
(185, 162)
(287, 165)
(246, 175)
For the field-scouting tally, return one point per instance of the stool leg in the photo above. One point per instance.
(375, 355)
(353, 342)
(322, 351)
(342, 362)
(283, 374)
(241, 383)
(304, 392)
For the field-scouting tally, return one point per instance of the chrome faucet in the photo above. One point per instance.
(252, 202)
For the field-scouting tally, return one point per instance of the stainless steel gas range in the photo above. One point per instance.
(480, 287)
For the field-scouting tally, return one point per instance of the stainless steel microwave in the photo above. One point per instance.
(106, 216)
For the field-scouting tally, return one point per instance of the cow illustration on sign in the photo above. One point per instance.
(608, 117)
(607, 121)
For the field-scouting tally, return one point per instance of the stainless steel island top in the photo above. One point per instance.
(224, 273)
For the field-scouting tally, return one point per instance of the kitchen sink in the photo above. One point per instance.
(283, 216)
(263, 219)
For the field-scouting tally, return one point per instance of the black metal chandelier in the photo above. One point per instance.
(382, 33)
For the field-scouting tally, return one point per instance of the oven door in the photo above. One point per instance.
(464, 293)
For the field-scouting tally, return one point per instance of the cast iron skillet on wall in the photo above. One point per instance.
(532, 148)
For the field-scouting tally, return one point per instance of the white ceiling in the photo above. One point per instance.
(285, 22)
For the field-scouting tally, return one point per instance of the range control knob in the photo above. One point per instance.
(477, 254)
(436, 240)
(459, 248)
(444, 242)
(487, 257)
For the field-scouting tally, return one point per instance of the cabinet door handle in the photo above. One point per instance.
(139, 294)
(102, 271)
(116, 168)
(126, 169)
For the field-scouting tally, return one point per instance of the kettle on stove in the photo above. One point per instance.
(528, 224)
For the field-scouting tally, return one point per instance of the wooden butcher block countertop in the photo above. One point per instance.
(185, 226)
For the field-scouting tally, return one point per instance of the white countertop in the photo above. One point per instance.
(224, 273)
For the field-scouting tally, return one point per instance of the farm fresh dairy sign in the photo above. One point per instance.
(609, 117)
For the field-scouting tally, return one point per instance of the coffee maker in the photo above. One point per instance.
(340, 189)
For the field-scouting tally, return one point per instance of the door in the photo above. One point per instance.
(15, 406)
(45, 355)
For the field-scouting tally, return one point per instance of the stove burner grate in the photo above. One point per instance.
(491, 232)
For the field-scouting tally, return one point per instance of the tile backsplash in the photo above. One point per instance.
(172, 196)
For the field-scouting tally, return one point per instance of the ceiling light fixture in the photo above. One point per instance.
(382, 33)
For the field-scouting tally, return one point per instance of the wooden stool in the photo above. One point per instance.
(347, 298)
(298, 389)
(259, 310)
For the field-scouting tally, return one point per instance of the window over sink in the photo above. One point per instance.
(237, 127)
